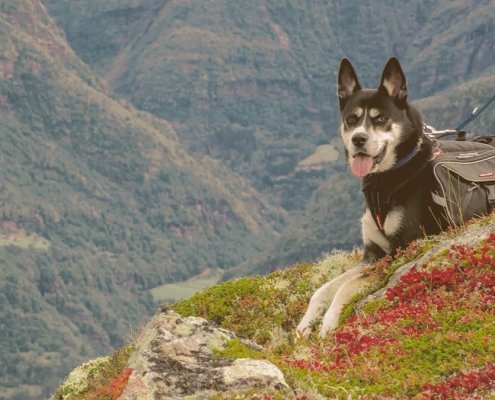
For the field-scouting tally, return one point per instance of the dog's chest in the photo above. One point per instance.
(391, 227)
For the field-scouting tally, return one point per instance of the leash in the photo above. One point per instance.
(461, 134)
(475, 114)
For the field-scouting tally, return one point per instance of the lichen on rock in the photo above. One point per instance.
(179, 358)
(78, 381)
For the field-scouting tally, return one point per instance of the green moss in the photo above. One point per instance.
(350, 308)
(236, 349)
(255, 306)
(371, 307)
(249, 395)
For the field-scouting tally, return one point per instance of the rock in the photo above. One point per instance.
(178, 358)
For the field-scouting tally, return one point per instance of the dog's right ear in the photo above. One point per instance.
(347, 82)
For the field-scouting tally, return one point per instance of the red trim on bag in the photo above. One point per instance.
(486, 174)
(437, 151)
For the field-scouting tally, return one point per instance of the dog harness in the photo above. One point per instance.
(380, 189)
(461, 176)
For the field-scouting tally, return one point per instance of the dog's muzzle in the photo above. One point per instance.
(362, 163)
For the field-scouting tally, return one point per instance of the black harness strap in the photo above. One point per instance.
(491, 196)
(379, 206)
(380, 188)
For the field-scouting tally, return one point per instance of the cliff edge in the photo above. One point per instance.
(425, 330)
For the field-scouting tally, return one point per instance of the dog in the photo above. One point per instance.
(385, 145)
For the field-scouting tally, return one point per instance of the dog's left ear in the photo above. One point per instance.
(394, 81)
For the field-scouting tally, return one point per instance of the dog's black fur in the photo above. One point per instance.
(409, 186)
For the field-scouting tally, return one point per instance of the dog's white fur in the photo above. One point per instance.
(371, 233)
(338, 291)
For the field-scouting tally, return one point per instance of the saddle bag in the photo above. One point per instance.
(464, 180)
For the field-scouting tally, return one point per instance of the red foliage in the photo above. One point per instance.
(350, 342)
(114, 387)
(462, 385)
(419, 294)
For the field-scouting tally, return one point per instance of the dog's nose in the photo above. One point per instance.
(359, 139)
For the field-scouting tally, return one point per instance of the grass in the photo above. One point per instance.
(24, 240)
(181, 290)
(173, 292)
(324, 154)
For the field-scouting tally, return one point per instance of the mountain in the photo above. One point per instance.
(252, 83)
(330, 221)
(423, 330)
(99, 203)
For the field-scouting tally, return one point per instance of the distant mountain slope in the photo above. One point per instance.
(252, 82)
(449, 108)
(98, 204)
(330, 221)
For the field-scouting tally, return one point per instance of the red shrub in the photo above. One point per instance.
(115, 386)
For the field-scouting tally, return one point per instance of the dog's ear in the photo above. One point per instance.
(347, 82)
(394, 81)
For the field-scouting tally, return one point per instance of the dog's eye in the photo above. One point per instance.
(380, 119)
(351, 120)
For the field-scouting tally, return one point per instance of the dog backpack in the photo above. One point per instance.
(464, 175)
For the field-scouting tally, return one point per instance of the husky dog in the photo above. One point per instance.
(385, 146)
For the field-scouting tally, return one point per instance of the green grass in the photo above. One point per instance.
(172, 292)
(324, 154)
(181, 290)
(24, 240)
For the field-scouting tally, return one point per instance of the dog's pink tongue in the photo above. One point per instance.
(361, 165)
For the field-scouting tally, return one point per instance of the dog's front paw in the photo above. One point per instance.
(330, 322)
(343, 296)
(303, 330)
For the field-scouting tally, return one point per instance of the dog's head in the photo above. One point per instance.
(378, 127)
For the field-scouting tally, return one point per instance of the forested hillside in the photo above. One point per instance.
(99, 203)
(252, 82)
